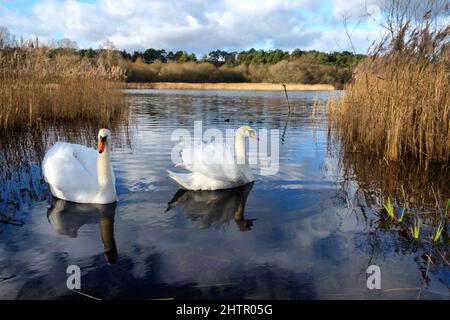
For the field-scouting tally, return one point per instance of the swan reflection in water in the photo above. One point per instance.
(67, 217)
(214, 208)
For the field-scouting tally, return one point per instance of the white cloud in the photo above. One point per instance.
(194, 25)
(353, 8)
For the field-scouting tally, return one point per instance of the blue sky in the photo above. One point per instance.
(196, 25)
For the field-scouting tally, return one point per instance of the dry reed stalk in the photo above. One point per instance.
(398, 105)
(36, 86)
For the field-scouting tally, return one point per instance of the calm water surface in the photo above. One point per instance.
(292, 235)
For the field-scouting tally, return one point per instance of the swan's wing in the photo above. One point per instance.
(88, 159)
(198, 181)
(71, 171)
(213, 160)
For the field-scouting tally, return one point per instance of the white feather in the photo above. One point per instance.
(71, 172)
(212, 166)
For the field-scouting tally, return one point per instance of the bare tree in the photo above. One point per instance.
(5, 37)
(400, 21)
(419, 27)
(67, 43)
(108, 45)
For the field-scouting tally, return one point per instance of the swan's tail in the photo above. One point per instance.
(183, 179)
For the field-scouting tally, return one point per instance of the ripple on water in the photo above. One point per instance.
(308, 231)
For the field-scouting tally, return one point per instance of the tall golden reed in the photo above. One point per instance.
(398, 105)
(40, 84)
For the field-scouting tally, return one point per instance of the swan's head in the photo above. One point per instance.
(104, 136)
(247, 131)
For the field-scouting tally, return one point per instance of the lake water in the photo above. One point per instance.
(309, 231)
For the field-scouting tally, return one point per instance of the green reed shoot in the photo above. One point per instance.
(438, 233)
(389, 207)
(415, 230)
(399, 220)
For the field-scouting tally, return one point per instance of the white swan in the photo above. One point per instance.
(213, 167)
(81, 174)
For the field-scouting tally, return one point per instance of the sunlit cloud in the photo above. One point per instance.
(194, 25)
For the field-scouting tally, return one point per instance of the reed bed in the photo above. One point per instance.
(40, 84)
(398, 104)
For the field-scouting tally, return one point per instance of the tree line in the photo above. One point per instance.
(153, 65)
(246, 57)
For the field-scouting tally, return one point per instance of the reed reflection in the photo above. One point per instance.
(213, 209)
(416, 194)
(68, 217)
(423, 192)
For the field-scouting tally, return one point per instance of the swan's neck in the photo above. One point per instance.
(239, 213)
(105, 182)
(239, 149)
(241, 157)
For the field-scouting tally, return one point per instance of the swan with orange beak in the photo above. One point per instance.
(213, 166)
(81, 174)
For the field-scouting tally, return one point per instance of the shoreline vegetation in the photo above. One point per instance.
(58, 82)
(264, 86)
(398, 105)
(35, 89)
(276, 66)
(391, 125)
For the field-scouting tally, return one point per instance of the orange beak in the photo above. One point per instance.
(254, 136)
(101, 145)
